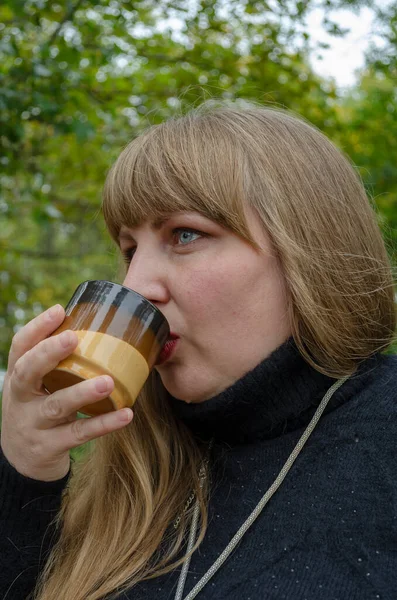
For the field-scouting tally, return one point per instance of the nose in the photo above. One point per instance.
(147, 275)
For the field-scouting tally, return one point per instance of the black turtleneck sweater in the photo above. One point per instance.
(329, 532)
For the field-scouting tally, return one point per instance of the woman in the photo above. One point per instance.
(253, 235)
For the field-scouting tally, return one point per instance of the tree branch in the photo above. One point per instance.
(68, 17)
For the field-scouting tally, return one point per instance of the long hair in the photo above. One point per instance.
(116, 522)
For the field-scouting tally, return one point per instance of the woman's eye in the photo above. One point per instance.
(128, 253)
(186, 236)
(182, 236)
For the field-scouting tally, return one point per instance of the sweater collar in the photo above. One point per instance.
(279, 395)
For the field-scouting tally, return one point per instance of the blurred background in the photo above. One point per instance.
(79, 79)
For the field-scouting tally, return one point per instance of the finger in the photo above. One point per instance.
(30, 369)
(33, 332)
(59, 406)
(81, 431)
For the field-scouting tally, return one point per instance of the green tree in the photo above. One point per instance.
(79, 79)
(368, 132)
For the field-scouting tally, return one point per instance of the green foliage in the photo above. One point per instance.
(369, 136)
(79, 79)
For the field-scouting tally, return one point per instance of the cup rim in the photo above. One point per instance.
(120, 286)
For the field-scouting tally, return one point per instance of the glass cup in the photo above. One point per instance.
(120, 334)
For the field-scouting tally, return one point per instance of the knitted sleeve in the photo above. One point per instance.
(27, 508)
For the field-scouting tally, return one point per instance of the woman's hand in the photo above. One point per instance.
(38, 429)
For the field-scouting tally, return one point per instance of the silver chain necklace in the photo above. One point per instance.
(255, 513)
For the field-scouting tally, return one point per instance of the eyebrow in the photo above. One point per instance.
(156, 225)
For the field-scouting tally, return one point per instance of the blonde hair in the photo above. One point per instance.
(116, 520)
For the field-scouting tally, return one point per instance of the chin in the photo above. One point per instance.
(189, 398)
(190, 395)
(191, 384)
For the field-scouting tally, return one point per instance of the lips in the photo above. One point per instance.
(168, 348)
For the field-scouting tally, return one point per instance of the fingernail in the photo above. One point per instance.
(125, 414)
(65, 338)
(102, 384)
(54, 311)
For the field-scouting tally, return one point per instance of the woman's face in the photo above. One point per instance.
(225, 300)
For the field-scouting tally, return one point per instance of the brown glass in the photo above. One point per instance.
(132, 330)
(109, 308)
(114, 309)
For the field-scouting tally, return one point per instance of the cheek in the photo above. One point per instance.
(218, 291)
(247, 293)
(205, 291)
